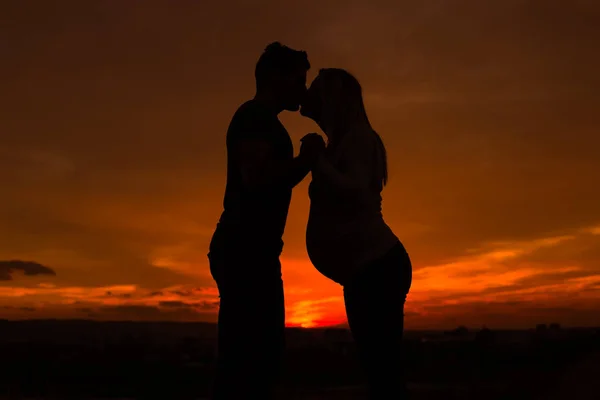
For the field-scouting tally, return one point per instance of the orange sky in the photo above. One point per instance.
(112, 155)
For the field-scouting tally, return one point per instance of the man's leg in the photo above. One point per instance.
(267, 336)
(229, 349)
(251, 334)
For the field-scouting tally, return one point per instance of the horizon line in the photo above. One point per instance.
(338, 326)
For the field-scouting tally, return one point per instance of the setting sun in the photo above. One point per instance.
(113, 158)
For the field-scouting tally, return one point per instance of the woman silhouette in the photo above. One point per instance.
(347, 238)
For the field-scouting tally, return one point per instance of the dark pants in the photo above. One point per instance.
(374, 301)
(250, 327)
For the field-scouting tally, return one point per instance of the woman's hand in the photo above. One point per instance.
(312, 147)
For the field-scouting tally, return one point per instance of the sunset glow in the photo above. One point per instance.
(113, 165)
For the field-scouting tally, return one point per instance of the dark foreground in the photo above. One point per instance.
(86, 360)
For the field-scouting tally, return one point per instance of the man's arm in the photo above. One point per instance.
(260, 168)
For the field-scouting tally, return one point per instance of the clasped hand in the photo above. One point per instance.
(312, 146)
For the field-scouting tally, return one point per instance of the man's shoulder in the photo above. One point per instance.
(251, 112)
(251, 119)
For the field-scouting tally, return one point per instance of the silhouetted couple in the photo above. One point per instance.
(346, 237)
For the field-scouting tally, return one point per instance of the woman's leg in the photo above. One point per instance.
(375, 308)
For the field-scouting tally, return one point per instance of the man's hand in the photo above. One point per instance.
(312, 146)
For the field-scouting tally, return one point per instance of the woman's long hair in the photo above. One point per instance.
(344, 114)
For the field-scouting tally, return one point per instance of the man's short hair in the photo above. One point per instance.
(279, 59)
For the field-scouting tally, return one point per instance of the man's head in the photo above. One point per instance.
(281, 72)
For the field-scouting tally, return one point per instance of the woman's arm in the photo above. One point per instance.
(351, 173)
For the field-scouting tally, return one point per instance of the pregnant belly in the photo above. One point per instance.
(330, 260)
(336, 248)
(339, 250)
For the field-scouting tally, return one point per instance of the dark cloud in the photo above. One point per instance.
(29, 268)
(173, 312)
(175, 304)
(202, 305)
(182, 293)
(28, 309)
(189, 292)
(119, 295)
(208, 305)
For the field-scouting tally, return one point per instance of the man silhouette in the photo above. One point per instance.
(245, 248)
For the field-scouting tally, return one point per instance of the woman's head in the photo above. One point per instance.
(335, 102)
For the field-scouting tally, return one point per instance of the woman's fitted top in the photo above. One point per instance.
(346, 229)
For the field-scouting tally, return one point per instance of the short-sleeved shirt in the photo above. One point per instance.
(253, 219)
